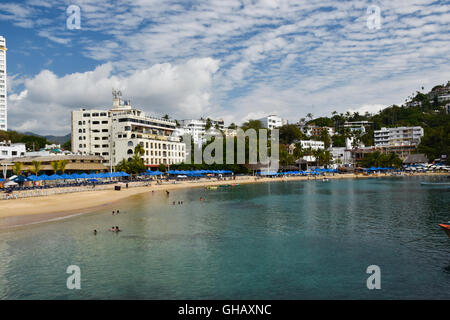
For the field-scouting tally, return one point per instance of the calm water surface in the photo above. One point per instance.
(280, 240)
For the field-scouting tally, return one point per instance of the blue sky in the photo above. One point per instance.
(234, 59)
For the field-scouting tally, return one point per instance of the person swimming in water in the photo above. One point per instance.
(167, 192)
(95, 232)
(113, 212)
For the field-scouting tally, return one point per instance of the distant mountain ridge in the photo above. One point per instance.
(50, 138)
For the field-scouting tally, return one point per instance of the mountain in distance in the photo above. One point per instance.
(54, 139)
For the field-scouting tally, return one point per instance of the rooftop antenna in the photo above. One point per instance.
(116, 93)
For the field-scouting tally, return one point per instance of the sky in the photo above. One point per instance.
(229, 59)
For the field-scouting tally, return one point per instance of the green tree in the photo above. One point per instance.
(338, 140)
(139, 150)
(123, 166)
(62, 165)
(252, 124)
(67, 145)
(55, 166)
(36, 167)
(290, 133)
(325, 137)
(17, 168)
(208, 124)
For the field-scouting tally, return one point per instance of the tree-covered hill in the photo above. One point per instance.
(32, 142)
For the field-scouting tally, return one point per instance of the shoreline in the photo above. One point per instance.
(30, 211)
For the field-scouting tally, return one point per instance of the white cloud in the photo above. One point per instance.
(370, 108)
(178, 90)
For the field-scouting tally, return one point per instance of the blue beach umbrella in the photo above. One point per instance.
(20, 179)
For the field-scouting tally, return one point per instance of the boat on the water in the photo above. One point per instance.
(446, 228)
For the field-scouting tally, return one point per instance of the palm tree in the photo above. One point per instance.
(139, 150)
(36, 168)
(62, 165)
(55, 166)
(17, 168)
(208, 124)
(310, 116)
(327, 157)
(123, 166)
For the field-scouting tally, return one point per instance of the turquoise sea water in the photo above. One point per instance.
(280, 240)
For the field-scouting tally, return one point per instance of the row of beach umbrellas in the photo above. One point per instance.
(153, 173)
(314, 172)
(377, 169)
(198, 172)
(73, 176)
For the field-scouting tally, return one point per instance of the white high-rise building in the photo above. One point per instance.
(114, 134)
(3, 89)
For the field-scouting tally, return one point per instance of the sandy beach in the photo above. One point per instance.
(24, 211)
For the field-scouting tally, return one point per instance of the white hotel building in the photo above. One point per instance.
(3, 88)
(197, 129)
(400, 136)
(272, 122)
(114, 134)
